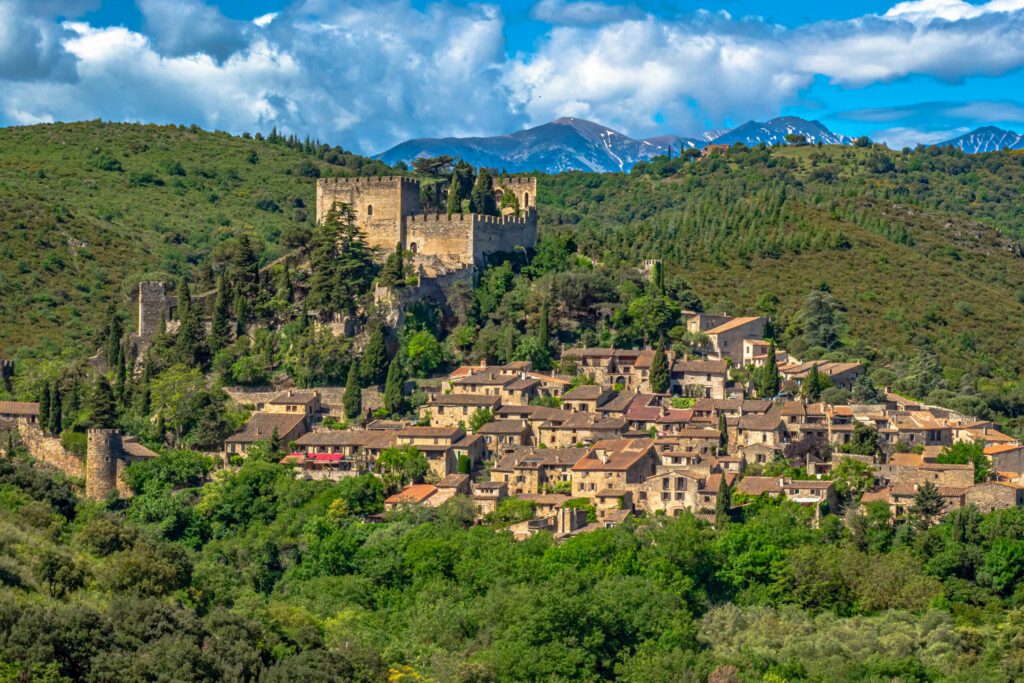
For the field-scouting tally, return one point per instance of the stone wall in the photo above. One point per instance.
(101, 463)
(525, 190)
(379, 204)
(47, 449)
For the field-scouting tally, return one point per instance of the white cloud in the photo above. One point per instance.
(367, 74)
(900, 137)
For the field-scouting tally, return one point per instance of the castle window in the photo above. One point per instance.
(369, 209)
(412, 247)
(526, 199)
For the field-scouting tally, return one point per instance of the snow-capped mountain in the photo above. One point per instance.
(774, 132)
(563, 145)
(986, 139)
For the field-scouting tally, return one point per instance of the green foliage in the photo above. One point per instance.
(425, 353)
(815, 384)
(512, 510)
(374, 363)
(353, 398)
(766, 377)
(967, 453)
(394, 398)
(852, 478)
(172, 468)
(865, 440)
(341, 261)
(400, 466)
(481, 199)
(660, 372)
(479, 418)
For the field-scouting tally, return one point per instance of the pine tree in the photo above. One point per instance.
(723, 502)
(660, 375)
(56, 412)
(374, 365)
(482, 200)
(44, 407)
(394, 401)
(353, 399)
(244, 269)
(220, 328)
(275, 446)
(927, 505)
(102, 410)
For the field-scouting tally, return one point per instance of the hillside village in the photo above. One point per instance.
(603, 435)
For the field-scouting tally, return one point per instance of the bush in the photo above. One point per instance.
(74, 442)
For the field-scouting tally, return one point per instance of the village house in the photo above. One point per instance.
(755, 353)
(294, 402)
(587, 398)
(414, 494)
(900, 498)
(726, 340)
(700, 378)
(535, 470)
(317, 466)
(1006, 457)
(613, 464)
(809, 492)
(453, 410)
(989, 496)
(580, 428)
(19, 410)
(436, 443)
(500, 434)
(688, 446)
(487, 495)
(262, 426)
(629, 369)
(671, 490)
(699, 323)
(842, 375)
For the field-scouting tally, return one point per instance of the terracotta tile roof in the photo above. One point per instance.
(731, 325)
(611, 493)
(878, 495)
(417, 493)
(907, 459)
(453, 481)
(504, 427)
(584, 392)
(755, 486)
(429, 432)
(714, 481)
(475, 400)
(292, 397)
(21, 408)
(701, 367)
(556, 499)
(261, 426)
(619, 454)
(1001, 448)
(621, 402)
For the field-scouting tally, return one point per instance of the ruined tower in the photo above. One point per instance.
(380, 205)
(102, 453)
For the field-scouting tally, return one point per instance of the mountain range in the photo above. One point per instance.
(569, 144)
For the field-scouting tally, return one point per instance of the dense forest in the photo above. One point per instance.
(257, 576)
(907, 261)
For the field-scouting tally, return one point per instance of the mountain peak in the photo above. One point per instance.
(986, 139)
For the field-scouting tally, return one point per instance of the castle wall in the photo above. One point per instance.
(508, 233)
(101, 463)
(152, 309)
(525, 190)
(448, 238)
(379, 205)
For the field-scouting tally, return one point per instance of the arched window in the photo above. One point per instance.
(412, 247)
(526, 200)
(369, 209)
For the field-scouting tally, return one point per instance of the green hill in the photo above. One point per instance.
(919, 248)
(88, 209)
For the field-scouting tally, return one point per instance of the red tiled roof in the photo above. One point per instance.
(417, 493)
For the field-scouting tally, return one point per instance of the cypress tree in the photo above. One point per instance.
(542, 333)
(353, 399)
(394, 401)
(44, 407)
(241, 316)
(768, 375)
(191, 340)
(723, 502)
(374, 365)
(102, 410)
(723, 433)
(660, 375)
(454, 203)
(274, 446)
(481, 200)
(220, 328)
(56, 412)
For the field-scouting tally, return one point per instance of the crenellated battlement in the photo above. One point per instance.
(369, 182)
(470, 219)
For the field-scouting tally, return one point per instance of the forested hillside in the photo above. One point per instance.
(89, 209)
(918, 249)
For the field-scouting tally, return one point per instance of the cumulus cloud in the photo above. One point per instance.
(187, 27)
(368, 74)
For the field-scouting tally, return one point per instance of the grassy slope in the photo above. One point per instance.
(959, 280)
(71, 233)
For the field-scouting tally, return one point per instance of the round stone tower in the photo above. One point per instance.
(102, 452)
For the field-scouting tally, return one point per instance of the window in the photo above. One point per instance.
(666, 496)
(369, 209)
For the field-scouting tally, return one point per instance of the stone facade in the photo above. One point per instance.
(388, 211)
(101, 463)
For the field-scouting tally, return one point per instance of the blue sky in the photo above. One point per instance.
(367, 74)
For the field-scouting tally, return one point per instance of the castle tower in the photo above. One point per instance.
(102, 452)
(381, 205)
(152, 309)
(525, 190)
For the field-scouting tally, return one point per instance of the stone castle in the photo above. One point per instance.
(388, 211)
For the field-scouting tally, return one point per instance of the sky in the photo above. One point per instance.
(368, 74)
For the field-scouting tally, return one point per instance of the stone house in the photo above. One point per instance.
(501, 434)
(688, 446)
(842, 375)
(415, 494)
(487, 495)
(699, 323)
(318, 466)
(437, 443)
(727, 339)
(19, 410)
(766, 429)
(613, 464)
(670, 490)
(472, 447)
(451, 410)
(700, 378)
(261, 426)
(707, 494)
(629, 368)
(294, 402)
(580, 428)
(612, 501)
(1006, 458)
(533, 470)
(942, 475)
(989, 496)
(587, 398)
